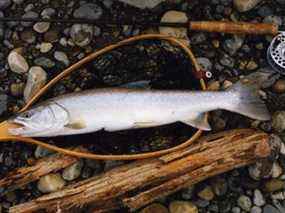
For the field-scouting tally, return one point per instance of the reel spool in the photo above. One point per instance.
(276, 53)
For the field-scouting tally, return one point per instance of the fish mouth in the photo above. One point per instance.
(21, 127)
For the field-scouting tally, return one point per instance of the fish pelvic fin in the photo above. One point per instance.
(200, 122)
(248, 101)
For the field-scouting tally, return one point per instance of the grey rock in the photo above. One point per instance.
(234, 44)
(3, 103)
(28, 36)
(187, 193)
(37, 78)
(219, 186)
(81, 34)
(29, 7)
(143, 4)
(29, 14)
(244, 203)
(227, 61)
(236, 209)
(256, 209)
(48, 12)
(18, 1)
(258, 198)
(205, 63)
(44, 62)
(4, 4)
(73, 171)
(89, 10)
(271, 19)
(265, 11)
(62, 57)
(198, 38)
(41, 27)
(245, 5)
(278, 121)
(51, 183)
(17, 63)
(41, 152)
(45, 47)
(270, 209)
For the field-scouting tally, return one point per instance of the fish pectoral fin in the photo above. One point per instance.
(199, 122)
(144, 124)
(76, 125)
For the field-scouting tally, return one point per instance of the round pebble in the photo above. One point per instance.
(41, 27)
(45, 47)
(245, 5)
(155, 207)
(278, 121)
(244, 203)
(207, 193)
(182, 207)
(51, 183)
(62, 57)
(81, 34)
(17, 63)
(73, 171)
(274, 185)
(279, 86)
(258, 198)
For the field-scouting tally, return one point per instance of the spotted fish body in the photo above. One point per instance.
(121, 109)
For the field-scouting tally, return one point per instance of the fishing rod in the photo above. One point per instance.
(275, 53)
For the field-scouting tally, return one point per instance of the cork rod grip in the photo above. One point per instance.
(234, 27)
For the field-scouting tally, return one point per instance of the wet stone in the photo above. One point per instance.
(187, 193)
(17, 63)
(62, 57)
(17, 89)
(233, 45)
(41, 27)
(4, 4)
(182, 207)
(279, 86)
(206, 193)
(41, 152)
(245, 5)
(89, 11)
(274, 185)
(37, 78)
(3, 103)
(44, 62)
(258, 198)
(256, 209)
(81, 34)
(142, 4)
(29, 14)
(28, 36)
(270, 209)
(51, 183)
(278, 121)
(73, 171)
(155, 207)
(244, 202)
(45, 47)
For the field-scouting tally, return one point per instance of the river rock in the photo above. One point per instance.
(62, 57)
(245, 5)
(89, 11)
(4, 4)
(51, 183)
(29, 14)
(37, 78)
(206, 193)
(17, 63)
(143, 4)
(244, 202)
(81, 34)
(182, 207)
(44, 62)
(155, 207)
(174, 16)
(278, 121)
(41, 27)
(73, 171)
(45, 47)
(258, 198)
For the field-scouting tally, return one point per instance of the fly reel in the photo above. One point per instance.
(276, 53)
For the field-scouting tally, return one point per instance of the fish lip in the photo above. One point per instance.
(21, 124)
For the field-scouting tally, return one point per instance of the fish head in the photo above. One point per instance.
(40, 120)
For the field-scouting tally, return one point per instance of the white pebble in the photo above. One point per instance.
(62, 57)
(276, 170)
(258, 198)
(17, 63)
(45, 47)
(41, 27)
(36, 80)
(51, 183)
(73, 171)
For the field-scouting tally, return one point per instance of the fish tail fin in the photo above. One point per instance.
(248, 101)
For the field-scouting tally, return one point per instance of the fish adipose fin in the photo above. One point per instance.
(248, 101)
(199, 122)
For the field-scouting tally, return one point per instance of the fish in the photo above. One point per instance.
(116, 109)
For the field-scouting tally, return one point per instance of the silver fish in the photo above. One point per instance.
(121, 109)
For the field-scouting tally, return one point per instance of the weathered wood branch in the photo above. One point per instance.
(139, 183)
(22, 176)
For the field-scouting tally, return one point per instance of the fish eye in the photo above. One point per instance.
(26, 115)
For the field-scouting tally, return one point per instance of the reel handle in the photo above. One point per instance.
(234, 27)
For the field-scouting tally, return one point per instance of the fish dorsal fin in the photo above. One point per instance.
(200, 122)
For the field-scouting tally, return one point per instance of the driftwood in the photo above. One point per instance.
(23, 176)
(139, 183)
